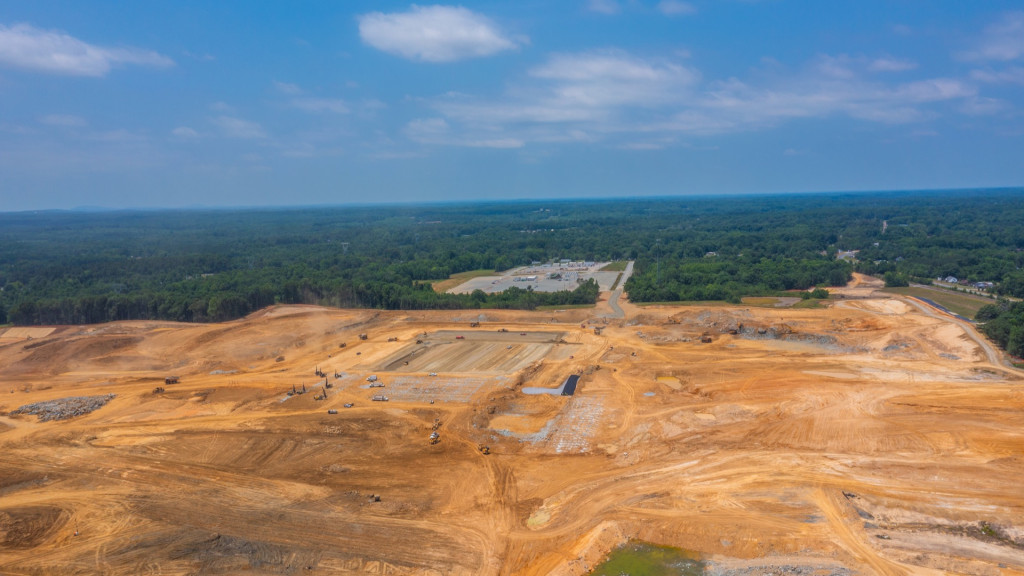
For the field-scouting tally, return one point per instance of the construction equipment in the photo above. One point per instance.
(371, 378)
(379, 398)
(342, 345)
(348, 405)
(434, 438)
(474, 324)
(484, 449)
(332, 411)
(158, 390)
(392, 339)
(171, 380)
(597, 330)
(362, 336)
(376, 385)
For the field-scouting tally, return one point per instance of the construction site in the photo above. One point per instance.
(874, 435)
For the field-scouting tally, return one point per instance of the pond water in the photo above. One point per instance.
(636, 558)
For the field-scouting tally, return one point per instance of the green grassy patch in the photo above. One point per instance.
(810, 304)
(617, 266)
(965, 305)
(616, 284)
(456, 279)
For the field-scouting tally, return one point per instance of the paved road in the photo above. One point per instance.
(613, 301)
(995, 357)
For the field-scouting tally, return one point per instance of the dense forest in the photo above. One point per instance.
(211, 265)
(1004, 324)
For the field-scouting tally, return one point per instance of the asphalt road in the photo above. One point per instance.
(613, 301)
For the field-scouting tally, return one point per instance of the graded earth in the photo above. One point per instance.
(875, 435)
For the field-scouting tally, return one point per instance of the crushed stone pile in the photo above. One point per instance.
(64, 408)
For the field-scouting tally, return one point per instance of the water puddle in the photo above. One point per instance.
(637, 558)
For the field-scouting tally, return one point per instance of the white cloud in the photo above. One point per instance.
(645, 102)
(184, 132)
(437, 131)
(888, 64)
(603, 6)
(675, 8)
(55, 52)
(1002, 41)
(982, 106)
(287, 88)
(238, 128)
(63, 120)
(613, 78)
(1012, 75)
(434, 34)
(333, 105)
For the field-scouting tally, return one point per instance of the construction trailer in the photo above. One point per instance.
(379, 398)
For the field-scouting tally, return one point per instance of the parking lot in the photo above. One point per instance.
(542, 278)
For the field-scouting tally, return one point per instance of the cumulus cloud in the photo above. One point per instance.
(675, 8)
(434, 34)
(56, 52)
(238, 128)
(647, 101)
(1002, 41)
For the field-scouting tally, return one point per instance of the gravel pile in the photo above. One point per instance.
(64, 408)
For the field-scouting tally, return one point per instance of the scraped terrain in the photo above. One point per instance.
(871, 437)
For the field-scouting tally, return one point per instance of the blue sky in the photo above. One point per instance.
(171, 104)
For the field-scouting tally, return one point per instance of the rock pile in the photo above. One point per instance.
(64, 408)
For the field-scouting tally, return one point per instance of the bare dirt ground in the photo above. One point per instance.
(871, 437)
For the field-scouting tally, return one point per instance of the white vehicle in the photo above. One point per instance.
(371, 378)
(433, 373)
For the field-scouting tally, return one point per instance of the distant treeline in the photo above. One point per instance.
(211, 265)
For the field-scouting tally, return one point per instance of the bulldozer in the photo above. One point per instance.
(484, 449)
(434, 438)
